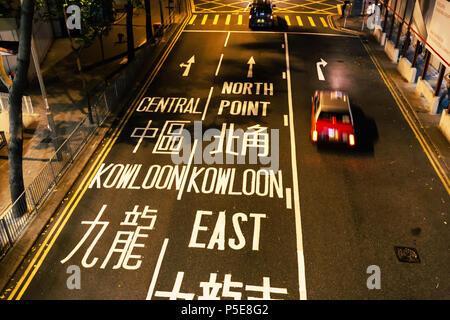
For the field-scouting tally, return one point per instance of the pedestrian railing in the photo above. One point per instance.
(2, 139)
(27, 105)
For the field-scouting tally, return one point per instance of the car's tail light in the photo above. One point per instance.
(314, 136)
(351, 139)
(271, 17)
(250, 16)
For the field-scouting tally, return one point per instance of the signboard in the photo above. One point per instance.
(439, 31)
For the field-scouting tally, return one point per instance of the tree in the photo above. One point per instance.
(148, 22)
(16, 92)
(94, 19)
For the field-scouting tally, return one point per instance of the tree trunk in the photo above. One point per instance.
(15, 147)
(85, 86)
(130, 36)
(148, 22)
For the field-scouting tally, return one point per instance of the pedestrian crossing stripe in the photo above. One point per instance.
(205, 17)
(228, 19)
(313, 22)
(288, 21)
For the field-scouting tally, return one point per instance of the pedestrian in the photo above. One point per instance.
(370, 9)
(344, 6)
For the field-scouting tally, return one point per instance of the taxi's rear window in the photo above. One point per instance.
(343, 117)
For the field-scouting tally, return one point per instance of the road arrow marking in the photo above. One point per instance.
(250, 62)
(321, 63)
(187, 66)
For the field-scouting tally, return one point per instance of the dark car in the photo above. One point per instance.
(261, 14)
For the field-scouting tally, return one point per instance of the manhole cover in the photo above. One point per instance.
(405, 254)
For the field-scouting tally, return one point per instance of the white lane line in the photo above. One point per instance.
(298, 221)
(183, 182)
(286, 122)
(218, 66)
(207, 103)
(156, 272)
(288, 198)
(226, 41)
(284, 75)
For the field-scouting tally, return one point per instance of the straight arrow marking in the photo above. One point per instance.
(250, 62)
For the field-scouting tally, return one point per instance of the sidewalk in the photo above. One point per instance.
(428, 123)
(65, 96)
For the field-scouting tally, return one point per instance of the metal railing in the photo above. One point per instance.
(27, 105)
(2, 139)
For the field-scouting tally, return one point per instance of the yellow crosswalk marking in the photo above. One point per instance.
(205, 17)
(288, 21)
(323, 22)
(299, 20)
(311, 21)
(240, 19)
(192, 19)
(216, 19)
(227, 21)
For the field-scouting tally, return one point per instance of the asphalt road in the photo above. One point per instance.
(293, 222)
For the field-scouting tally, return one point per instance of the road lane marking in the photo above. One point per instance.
(288, 198)
(226, 40)
(193, 19)
(216, 19)
(207, 103)
(311, 21)
(227, 21)
(403, 108)
(299, 21)
(288, 21)
(205, 17)
(284, 75)
(41, 254)
(298, 222)
(157, 268)
(323, 22)
(188, 167)
(218, 66)
(286, 120)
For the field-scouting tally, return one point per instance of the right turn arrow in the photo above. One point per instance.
(321, 63)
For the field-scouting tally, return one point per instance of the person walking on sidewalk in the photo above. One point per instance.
(344, 6)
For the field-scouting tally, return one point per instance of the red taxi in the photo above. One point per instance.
(332, 119)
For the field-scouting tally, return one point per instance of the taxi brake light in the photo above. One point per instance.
(314, 136)
(351, 139)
